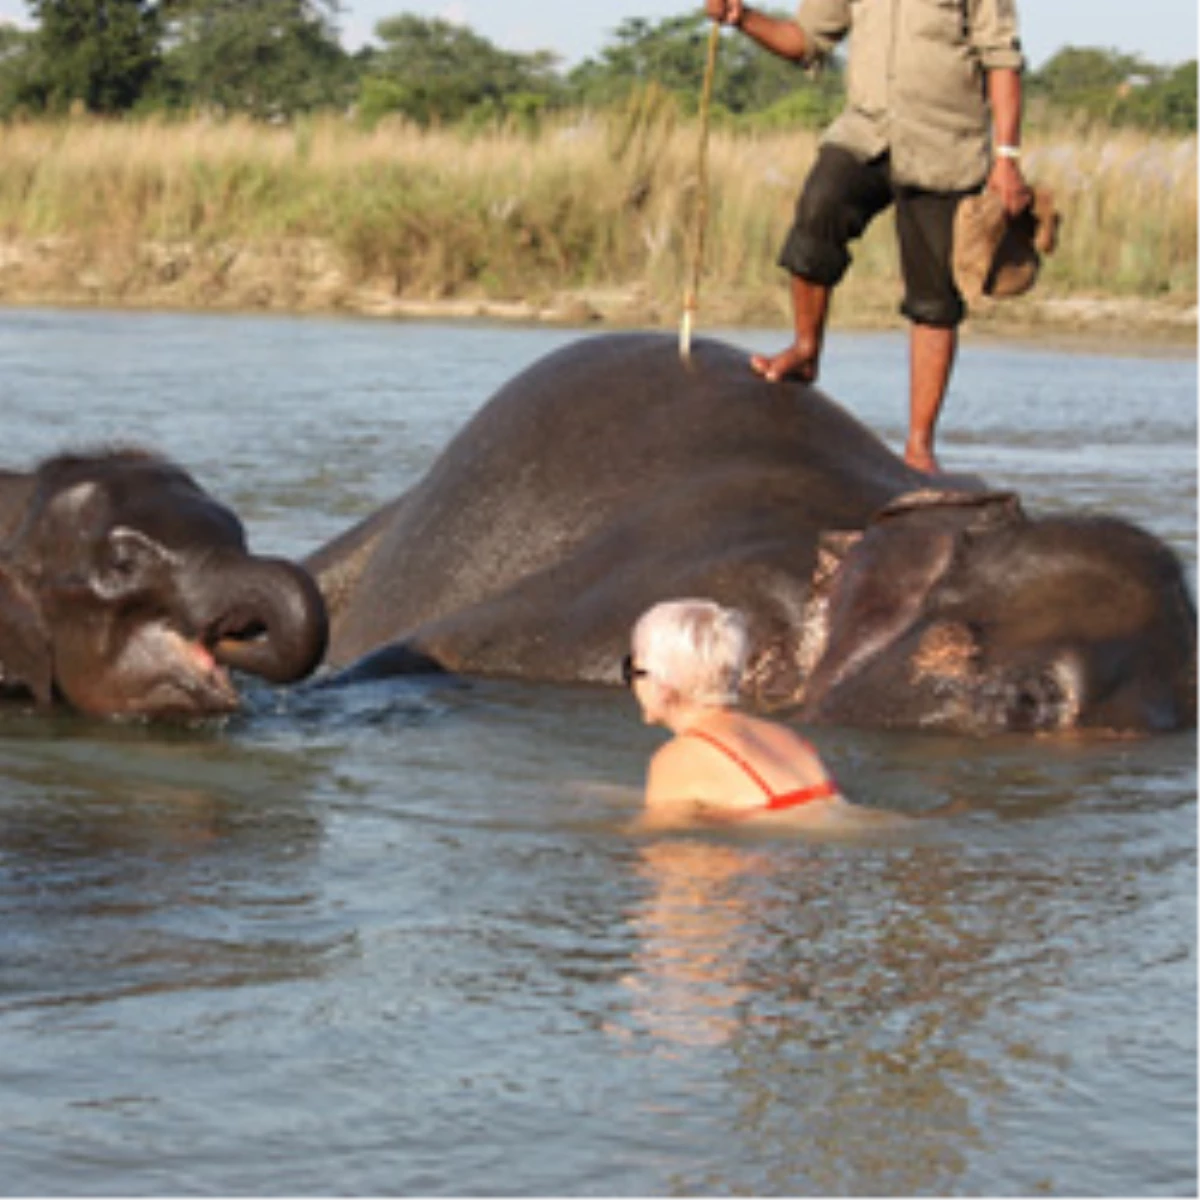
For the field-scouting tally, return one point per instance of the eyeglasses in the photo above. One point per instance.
(629, 672)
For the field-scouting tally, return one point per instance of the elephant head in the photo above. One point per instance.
(126, 590)
(957, 612)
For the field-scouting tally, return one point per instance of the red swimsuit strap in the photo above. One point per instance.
(797, 796)
(729, 752)
(818, 791)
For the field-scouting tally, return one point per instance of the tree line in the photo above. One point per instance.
(277, 59)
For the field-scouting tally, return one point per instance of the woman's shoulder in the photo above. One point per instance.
(678, 774)
(765, 731)
(669, 753)
(685, 750)
(697, 758)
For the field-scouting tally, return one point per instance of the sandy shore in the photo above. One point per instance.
(308, 277)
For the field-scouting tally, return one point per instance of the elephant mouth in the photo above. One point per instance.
(204, 686)
(227, 639)
(271, 622)
(160, 672)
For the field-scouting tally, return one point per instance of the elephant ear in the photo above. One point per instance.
(25, 655)
(979, 512)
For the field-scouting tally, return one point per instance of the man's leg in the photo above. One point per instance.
(840, 197)
(802, 359)
(931, 359)
(932, 302)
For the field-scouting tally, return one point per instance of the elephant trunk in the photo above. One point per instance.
(270, 619)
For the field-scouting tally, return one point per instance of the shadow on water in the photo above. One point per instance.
(137, 858)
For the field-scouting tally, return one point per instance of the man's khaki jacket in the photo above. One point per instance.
(916, 81)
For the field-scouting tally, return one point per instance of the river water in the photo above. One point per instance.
(399, 939)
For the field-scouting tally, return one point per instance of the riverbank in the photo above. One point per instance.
(310, 277)
(589, 221)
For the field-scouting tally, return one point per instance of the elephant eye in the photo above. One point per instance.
(127, 558)
(122, 561)
(1037, 702)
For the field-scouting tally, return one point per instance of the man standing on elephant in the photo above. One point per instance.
(933, 112)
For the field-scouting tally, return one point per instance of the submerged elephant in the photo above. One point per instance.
(126, 590)
(611, 475)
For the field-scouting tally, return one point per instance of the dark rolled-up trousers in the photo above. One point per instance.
(842, 195)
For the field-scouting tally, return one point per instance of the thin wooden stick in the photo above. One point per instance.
(692, 295)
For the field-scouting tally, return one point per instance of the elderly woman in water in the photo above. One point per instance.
(722, 765)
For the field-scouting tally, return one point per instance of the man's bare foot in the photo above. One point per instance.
(921, 459)
(794, 363)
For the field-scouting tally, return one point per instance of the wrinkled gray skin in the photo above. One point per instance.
(125, 590)
(609, 476)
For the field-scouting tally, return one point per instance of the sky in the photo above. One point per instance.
(1163, 31)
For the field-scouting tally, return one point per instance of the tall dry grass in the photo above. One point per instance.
(590, 202)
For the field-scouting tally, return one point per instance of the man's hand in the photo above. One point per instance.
(780, 35)
(728, 12)
(1009, 184)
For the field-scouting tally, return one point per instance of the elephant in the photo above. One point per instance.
(126, 591)
(612, 474)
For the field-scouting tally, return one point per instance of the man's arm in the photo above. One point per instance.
(777, 34)
(1006, 179)
(996, 40)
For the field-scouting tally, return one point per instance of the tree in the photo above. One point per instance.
(99, 53)
(432, 71)
(671, 54)
(267, 58)
(1178, 104)
(1159, 98)
(1084, 80)
(1118, 89)
(20, 83)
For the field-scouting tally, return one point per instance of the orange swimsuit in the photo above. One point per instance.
(775, 801)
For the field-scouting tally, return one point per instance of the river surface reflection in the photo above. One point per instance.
(399, 939)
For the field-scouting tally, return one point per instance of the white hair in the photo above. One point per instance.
(696, 647)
